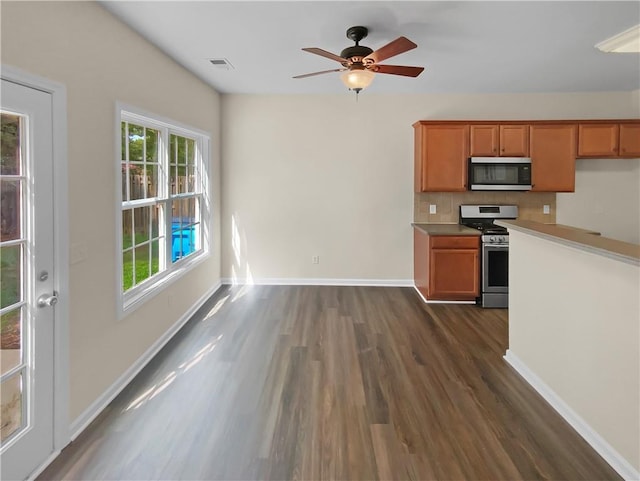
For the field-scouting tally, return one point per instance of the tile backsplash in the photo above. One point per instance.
(530, 205)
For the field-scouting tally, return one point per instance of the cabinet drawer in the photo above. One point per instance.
(455, 242)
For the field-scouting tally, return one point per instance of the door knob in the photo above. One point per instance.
(47, 301)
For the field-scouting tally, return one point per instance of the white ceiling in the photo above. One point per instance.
(466, 47)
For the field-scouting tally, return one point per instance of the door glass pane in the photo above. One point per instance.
(10, 209)
(10, 275)
(10, 340)
(11, 418)
(10, 145)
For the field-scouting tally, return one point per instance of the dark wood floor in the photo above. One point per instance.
(351, 383)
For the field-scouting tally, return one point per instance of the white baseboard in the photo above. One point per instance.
(290, 281)
(433, 301)
(38, 471)
(82, 421)
(597, 442)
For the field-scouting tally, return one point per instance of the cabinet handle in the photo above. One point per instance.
(624, 149)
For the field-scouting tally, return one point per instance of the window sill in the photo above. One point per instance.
(130, 302)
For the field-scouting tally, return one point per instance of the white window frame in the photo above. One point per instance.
(130, 300)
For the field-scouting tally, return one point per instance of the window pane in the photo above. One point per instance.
(191, 151)
(191, 179)
(174, 179)
(155, 257)
(123, 138)
(125, 172)
(10, 144)
(10, 206)
(191, 210)
(10, 275)
(136, 182)
(172, 149)
(127, 229)
(182, 179)
(136, 142)
(156, 213)
(141, 224)
(152, 180)
(10, 339)
(127, 270)
(182, 150)
(11, 399)
(142, 263)
(152, 145)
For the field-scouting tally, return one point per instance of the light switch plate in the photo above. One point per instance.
(432, 208)
(546, 209)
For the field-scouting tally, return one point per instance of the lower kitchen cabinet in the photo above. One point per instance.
(447, 267)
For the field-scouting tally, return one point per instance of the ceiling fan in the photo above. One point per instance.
(360, 63)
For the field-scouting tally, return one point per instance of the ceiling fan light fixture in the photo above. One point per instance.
(357, 79)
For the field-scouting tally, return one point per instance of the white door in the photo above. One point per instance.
(28, 299)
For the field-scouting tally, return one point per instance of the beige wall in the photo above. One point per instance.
(573, 321)
(323, 175)
(100, 61)
(607, 198)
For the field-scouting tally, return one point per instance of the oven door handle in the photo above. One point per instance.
(497, 246)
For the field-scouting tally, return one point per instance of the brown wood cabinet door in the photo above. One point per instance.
(483, 140)
(454, 274)
(629, 140)
(553, 157)
(598, 140)
(445, 150)
(514, 140)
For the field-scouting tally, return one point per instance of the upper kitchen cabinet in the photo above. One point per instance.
(609, 139)
(553, 157)
(507, 140)
(598, 140)
(630, 140)
(441, 154)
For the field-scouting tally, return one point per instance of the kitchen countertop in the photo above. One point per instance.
(446, 229)
(578, 238)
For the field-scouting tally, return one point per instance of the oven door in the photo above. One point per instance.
(495, 268)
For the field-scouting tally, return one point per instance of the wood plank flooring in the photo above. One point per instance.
(340, 383)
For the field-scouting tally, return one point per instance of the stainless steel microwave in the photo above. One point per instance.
(499, 173)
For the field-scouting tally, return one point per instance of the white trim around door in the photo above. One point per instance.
(61, 434)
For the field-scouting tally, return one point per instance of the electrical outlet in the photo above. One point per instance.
(315, 259)
(546, 209)
(432, 208)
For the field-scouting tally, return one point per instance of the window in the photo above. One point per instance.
(163, 203)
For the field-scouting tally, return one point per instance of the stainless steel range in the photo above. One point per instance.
(494, 261)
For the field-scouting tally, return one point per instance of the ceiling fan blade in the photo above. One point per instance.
(324, 53)
(398, 70)
(398, 46)
(319, 73)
